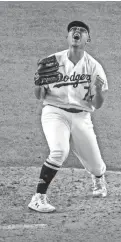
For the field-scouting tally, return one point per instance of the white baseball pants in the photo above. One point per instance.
(64, 130)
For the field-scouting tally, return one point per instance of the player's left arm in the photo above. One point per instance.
(100, 94)
(100, 85)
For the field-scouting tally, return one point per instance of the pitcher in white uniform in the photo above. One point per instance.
(66, 115)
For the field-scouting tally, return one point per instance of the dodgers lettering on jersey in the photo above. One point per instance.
(71, 90)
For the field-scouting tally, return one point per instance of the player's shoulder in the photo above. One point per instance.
(91, 60)
(95, 66)
(61, 54)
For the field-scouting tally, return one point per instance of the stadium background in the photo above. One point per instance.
(33, 30)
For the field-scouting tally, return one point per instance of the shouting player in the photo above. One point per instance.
(66, 115)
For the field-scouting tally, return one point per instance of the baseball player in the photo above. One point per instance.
(72, 84)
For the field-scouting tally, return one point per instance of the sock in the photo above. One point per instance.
(46, 176)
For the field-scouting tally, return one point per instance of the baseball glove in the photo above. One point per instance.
(47, 71)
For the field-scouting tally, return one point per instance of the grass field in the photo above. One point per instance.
(29, 31)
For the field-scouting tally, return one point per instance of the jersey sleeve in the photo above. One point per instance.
(98, 70)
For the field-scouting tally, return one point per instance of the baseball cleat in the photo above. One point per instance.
(39, 203)
(99, 189)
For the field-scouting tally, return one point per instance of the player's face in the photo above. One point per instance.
(77, 37)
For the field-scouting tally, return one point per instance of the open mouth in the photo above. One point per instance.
(76, 36)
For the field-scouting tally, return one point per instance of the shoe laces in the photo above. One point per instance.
(41, 198)
(44, 199)
(99, 182)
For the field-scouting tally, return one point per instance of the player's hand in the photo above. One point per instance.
(99, 82)
(95, 89)
(47, 72)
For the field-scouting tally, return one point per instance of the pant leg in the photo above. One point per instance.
(57, 133)
(84, 144)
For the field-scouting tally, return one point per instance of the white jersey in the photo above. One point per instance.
(70, 92)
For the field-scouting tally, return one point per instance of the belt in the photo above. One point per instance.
(71, 110)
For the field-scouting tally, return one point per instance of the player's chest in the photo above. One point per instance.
(74, 75)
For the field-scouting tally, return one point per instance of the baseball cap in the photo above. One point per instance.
(78, 24)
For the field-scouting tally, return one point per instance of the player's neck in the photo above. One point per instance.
(75, 54)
